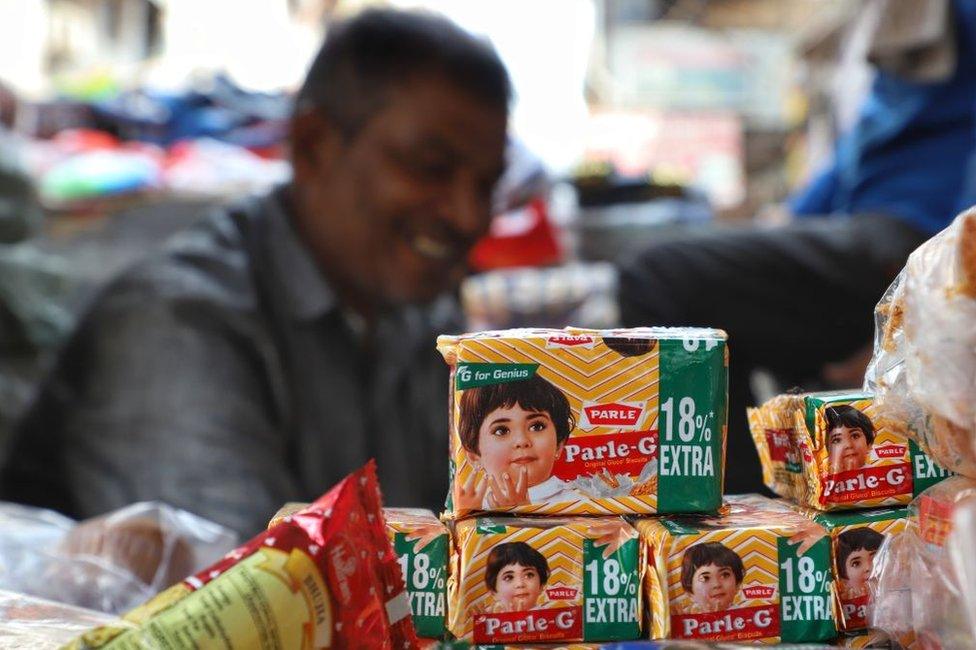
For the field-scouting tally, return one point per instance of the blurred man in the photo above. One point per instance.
(267, 352)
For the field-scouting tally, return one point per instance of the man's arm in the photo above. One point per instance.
(166, 399)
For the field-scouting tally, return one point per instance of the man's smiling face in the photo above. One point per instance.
(390, 212)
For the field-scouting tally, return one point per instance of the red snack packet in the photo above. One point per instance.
(324, 577)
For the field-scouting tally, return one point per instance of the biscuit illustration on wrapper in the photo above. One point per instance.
(544, 580)
(760, 572)
(833, 451)
(590, 422)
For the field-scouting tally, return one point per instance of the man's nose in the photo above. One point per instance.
(466, 208)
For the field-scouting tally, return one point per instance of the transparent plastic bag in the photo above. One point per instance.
(31, 623)
(923, 372)
(923, 582)
(109, 563)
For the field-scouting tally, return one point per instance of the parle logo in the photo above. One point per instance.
(570, 341)
(621, 415)
(758, 591)
(891, 451)
(561, 593)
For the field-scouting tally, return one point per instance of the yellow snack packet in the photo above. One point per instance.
(759, 573)
(831, 451)
(422, 546)
(855, 537)
(576, 421)
(543, 580)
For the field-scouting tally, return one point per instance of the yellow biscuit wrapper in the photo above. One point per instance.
(831, 451)
(545, 580)
(422, 545)
(760, 572)
(595, 422)
(855, 537)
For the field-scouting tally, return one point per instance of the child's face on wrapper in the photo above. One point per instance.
(518, 587)
(512, 440)
(713, 587)
(858, 567)
(848, 448)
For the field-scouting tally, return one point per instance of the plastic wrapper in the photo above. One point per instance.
(545, 579)
(110, 563)
(39, 624)
(759, 572)
(325, 577)
(576, 421)
(834, 451)
(922, 583)
(422, 545)
(924, 365)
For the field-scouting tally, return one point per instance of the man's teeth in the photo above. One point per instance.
(431, 247)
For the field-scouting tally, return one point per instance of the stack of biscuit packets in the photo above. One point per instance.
(547, 425)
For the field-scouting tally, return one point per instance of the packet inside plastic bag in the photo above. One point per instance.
(924, 367)
(923, 584)
(325, 576)
(110, 563)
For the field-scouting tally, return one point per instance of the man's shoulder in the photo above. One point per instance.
(215, 262)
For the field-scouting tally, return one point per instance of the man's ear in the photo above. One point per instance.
(316, 144)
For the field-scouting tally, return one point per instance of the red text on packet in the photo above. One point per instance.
(855, 611)
(759, 591)
(730, 625)
(626, 452)
(778, 441)
(570, 341)
(556, 624)
(891, 451)
(561, 593)
(622, 415)
(867, 483)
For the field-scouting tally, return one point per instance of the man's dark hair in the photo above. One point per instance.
(850, 417)
(533, 394)
(855, 540)
(707, 553)
(514, 553)
(363, 57)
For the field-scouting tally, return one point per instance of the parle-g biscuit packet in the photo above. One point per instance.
(831, 451)
(595, 422)
(855, 538)
(422, 545)
(544, 580)
(760, 572)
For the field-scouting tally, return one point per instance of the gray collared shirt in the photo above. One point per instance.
(222, 376)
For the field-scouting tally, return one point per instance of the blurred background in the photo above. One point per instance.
(122, 118)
